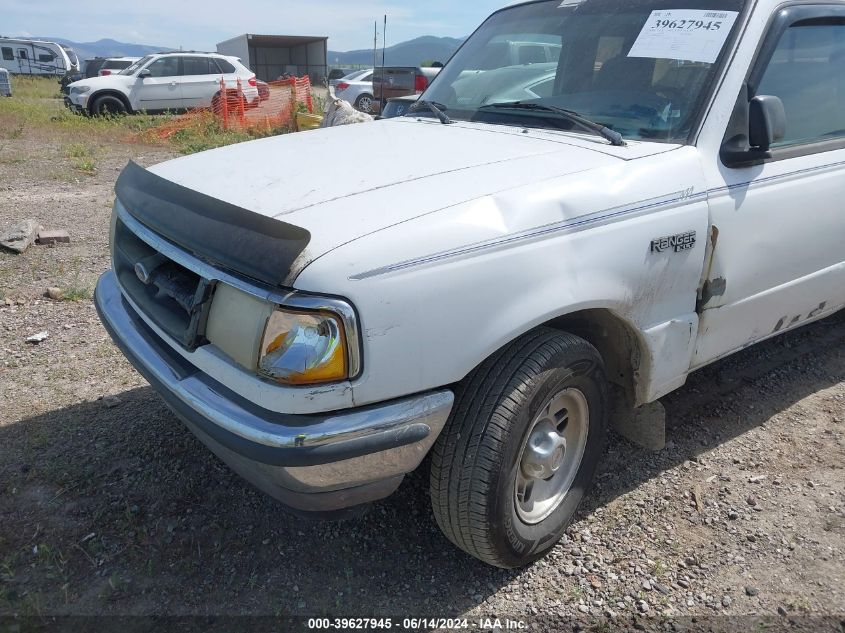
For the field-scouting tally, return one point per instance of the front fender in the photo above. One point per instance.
(519, 259)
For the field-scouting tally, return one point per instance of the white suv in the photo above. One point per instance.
(162, 82)
(114, 65)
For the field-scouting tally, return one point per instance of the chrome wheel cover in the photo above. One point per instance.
(551, 455)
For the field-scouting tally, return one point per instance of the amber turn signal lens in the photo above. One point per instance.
(303, 348)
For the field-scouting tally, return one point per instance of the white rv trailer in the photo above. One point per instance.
(33, 57)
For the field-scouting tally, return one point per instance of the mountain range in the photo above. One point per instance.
(411, 53)
(106, 48)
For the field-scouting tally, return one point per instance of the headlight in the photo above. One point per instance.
(304, 348)
(80, 90)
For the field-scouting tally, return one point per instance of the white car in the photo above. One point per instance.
(357, 90)
(114, 65)
(163, 82)
(493, 282)
(350, 77)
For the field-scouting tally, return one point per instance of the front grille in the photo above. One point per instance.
(225, 235)
(171, 296)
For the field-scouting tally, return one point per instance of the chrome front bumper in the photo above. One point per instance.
(312, 463)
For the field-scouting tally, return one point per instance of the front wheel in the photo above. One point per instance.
(520, 448)
(364, 103)
(108, 105)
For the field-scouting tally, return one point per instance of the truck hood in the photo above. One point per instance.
(343, 183)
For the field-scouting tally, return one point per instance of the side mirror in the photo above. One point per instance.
(766, 121)
(144, 74)
(755, 125)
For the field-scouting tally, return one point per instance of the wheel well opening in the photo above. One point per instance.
(109, 93)
(615, 340)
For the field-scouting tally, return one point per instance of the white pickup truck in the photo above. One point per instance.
(498, 279)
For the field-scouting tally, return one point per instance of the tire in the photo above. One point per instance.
(232, 102)
(108, 105)
(480, 493)
(364, 103)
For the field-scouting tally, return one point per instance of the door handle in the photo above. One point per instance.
(172, 84)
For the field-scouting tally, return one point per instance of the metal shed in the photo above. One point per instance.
(5, 83)
(270, 56)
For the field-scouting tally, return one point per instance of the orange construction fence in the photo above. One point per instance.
(236, 108)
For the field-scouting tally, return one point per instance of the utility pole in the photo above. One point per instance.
(384, 43)
(381, 99)
(375, 43)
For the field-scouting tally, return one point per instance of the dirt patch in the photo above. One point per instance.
(109, 506)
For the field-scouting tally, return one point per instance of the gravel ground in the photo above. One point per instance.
(109, 506)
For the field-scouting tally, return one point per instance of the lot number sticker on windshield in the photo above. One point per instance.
(684, 34)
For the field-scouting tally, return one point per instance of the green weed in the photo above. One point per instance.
(37, 108)
(82, 158)
(77, 150)
(77, 293)
(205, 132)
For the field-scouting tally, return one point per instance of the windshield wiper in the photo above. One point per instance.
(615, 138)
(434, 107)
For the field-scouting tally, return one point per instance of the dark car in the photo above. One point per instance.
(400, 81)
(338, 73)
(114, 65)
(92, 67)
(398, 106)
(68, 79)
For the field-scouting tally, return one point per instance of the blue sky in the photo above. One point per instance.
(200, 25)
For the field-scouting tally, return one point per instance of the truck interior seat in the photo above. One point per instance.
(624, 73)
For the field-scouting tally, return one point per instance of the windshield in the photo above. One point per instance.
(642, 68)
(356, 75)
(118, 64)
(136, 66)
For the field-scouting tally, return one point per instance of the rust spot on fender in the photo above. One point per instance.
(713, 288)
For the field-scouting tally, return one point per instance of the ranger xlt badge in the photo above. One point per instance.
(680, 242)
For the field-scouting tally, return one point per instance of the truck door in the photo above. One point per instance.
(779, 225)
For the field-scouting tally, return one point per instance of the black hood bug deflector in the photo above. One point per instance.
(221, 233)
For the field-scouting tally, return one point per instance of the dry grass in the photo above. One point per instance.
(36, 87)
(37, 111)
(203, 131)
